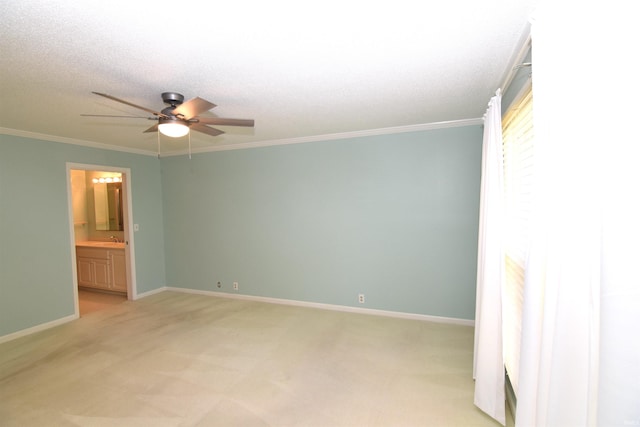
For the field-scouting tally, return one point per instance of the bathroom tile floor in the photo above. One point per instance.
(91, 301)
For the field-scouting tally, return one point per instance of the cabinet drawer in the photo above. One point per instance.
(96, 253)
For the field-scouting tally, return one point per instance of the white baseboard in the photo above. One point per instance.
(149, 293)
(333, 307)
(37, 328)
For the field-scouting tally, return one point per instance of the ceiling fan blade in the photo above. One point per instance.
(225, 122)
(125, 117)
(206, 129)
(148, 110)
(153, 128)
(193, 107)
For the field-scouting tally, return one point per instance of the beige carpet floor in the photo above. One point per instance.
(176, 359)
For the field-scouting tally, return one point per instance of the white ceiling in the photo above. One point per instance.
(301, 69)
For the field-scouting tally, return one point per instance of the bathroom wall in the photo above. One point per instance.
(94, 233)
(79, 200)
(82, 189)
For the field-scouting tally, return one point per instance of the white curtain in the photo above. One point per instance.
(488, 364)
(580, 352)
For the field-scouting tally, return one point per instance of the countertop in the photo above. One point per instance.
(101, 244)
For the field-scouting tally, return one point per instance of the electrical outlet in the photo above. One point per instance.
(219, 284)
(361, 298)
(235, 286)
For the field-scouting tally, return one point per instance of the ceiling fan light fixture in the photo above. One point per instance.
(172, 129)
(180, 117)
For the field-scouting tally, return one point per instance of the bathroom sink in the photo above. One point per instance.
(99, 244)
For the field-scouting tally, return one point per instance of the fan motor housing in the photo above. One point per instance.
(172, 98)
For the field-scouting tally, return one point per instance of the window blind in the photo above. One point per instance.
(518, 145)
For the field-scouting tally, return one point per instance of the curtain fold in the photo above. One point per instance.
(488, 364)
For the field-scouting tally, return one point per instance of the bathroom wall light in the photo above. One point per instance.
(107, 180)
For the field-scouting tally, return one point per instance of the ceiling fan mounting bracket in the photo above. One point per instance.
(168, 112)
(172, 98)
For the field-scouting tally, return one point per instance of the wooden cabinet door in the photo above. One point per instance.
(85, 272)
(102, 273)
(118, 271)
(102, 268)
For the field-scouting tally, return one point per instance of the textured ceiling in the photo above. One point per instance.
(301, 69)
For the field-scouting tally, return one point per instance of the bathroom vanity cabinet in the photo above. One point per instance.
(102, 267)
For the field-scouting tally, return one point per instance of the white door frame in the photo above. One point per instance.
(132, 292)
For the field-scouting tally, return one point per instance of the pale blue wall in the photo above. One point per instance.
(35, 252)
(394, 217)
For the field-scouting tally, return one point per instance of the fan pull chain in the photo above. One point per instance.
(189, 144)
(158, 143)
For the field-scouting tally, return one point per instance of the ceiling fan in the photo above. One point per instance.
(179, 117)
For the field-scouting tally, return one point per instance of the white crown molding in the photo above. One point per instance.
(65, 140)
(522, 48)
(331, 307)
(257, 144)
(334, 136)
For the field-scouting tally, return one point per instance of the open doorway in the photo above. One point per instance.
(102, 242)
(90, 301)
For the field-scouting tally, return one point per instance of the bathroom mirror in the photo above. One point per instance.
(108, 206)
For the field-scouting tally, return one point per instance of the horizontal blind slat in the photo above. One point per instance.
(519, 169)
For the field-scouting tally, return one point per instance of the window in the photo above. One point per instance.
(518, 146)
